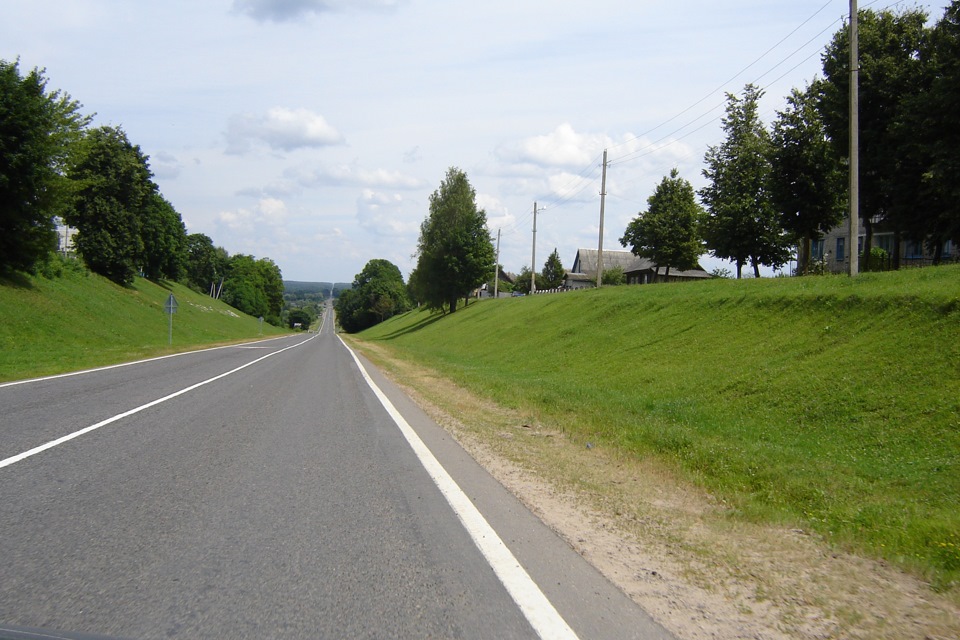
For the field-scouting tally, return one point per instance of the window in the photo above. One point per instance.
(884, 241)
(841, 249)
(914, 250)
(816, 249)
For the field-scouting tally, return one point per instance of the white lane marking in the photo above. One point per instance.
(539, 611)
(127, 364)
(76, 434)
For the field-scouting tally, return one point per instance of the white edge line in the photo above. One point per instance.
(539, 611)
(76, 434)
(127, 364)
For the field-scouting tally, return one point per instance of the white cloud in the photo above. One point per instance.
(355, 176)
(165, 165)
(271, 212)
(386, 215)
(562, 147)
(289, 10)
(280, 129)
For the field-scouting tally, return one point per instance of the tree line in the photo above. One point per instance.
(55, 166)
(770, 191)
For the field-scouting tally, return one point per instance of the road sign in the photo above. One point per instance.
(171, 308)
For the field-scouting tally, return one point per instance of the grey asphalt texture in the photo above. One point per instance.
(278, 502)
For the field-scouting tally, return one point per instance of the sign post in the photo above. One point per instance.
(261, 325)
(171, 308)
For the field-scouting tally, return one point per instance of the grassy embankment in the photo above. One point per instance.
(824, 402)
(82, 320)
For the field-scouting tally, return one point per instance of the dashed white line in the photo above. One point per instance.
(76, 434)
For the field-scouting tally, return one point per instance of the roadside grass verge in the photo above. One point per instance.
(81, 320)
(824, 403)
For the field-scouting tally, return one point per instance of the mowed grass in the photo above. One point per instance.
(82, 320)
(823, 403)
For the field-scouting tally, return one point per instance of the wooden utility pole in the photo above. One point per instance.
(533, 256)
(603, 195)
(853, 249)
(496, 276)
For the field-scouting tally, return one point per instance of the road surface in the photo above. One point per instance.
(267, 491)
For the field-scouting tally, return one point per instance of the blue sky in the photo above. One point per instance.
(313, 132)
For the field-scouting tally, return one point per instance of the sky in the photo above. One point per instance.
(313, 132)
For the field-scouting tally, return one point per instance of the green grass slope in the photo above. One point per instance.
(82, 320)
(827, 403)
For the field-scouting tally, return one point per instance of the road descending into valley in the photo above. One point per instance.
(277, 489)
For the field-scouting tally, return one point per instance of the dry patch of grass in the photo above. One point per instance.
(670, 546)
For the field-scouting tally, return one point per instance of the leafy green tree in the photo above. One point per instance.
(553, 272)
(204, 264)
(891, 54)
(614, 276)
(164, 239)
(522, 283)
(243, 289)
(930, 129)
(113, 186)
(668, 233)
(806, 181)
(37, 131)
(378, 293)
(455, 253)
(300, 316)
(741, 223)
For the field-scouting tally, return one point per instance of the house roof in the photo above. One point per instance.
(586, 263)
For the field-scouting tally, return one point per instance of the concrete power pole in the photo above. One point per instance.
(533, 256)
(853, 250)
(603, 195)
(496, 276)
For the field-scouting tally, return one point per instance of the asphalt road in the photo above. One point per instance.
(264, 491)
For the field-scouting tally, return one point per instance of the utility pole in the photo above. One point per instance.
(533, 256)
(603, 195)
(854, 250)
(496, 275)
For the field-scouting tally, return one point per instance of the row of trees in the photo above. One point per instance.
(770, 191)
(53, 165)
(767, 191)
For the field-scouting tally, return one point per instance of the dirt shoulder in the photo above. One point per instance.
(672, 548)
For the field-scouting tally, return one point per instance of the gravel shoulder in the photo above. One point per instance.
(672, 548)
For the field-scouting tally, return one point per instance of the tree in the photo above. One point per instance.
(806, 181)
(300, 316)
(164, 239)
(930, 127)
(455, 252)
(204, 264)
(614, 276)
(112, 188)
(741, 223)
(891, 52)
(522, 282)
(271, 282)
(37, 131)
(668, 233)
(378, 293)
(254, 287)
(553, 272)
